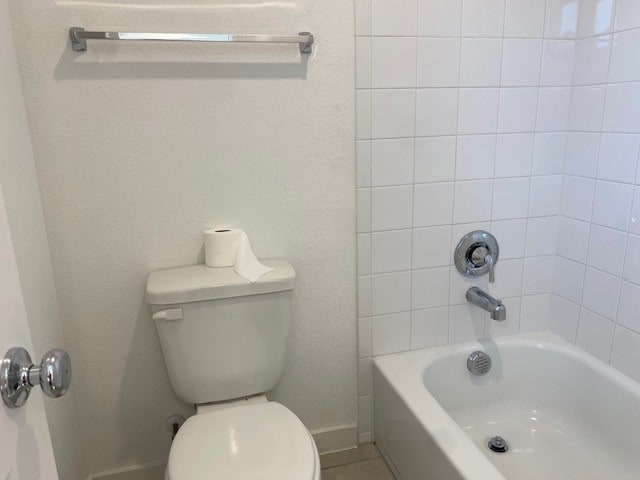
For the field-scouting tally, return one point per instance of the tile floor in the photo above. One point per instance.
(362, 463)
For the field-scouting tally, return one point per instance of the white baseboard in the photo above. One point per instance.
(150, 471)
(327, 440)
(334, 439)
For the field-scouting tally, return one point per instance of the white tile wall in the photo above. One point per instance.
(596, 289)
(515, 116)
(463, 107)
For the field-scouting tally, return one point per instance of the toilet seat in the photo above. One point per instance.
(263, 441)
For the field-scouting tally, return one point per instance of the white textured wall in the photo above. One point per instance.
(26, 222)
(141, 147)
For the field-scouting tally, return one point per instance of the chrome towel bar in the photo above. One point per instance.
(79, 37)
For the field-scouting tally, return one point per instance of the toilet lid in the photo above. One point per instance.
(264, 441)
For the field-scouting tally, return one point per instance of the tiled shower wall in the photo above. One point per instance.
(462, 119)
(596, 300)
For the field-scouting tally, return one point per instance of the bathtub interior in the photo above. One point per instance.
(564, 414)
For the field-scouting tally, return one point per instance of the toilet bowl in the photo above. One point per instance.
(262, 441)
(224, 341)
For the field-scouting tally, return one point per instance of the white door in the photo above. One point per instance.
(25, 445)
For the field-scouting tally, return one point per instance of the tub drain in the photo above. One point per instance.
(498, 444)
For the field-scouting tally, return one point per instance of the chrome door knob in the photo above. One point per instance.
(18, 375)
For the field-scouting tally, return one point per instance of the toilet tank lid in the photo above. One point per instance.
(197, 283)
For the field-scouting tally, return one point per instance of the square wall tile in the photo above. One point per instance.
(586, 108)
(429, 327)
(430, 288)
(363, 210)
(390, 333)
(510, 198)
(554, 107)
(524, 18)
(472, 201)
(542, 235)
(581, 154)
(363, 17)
(601, 293)
(568, 279)
(364, 296)
(618, 157)
(393, 62)
(431, 247)
(365, 376)
(392, 162)
(439, 19)
(548, 153)
(612, 204)
(364, 337)
(627, 14)
(514, 153)
(561, 19)
(466, 323)
(363, 114)
(364, 253)
(629, 306)
(517, 110)
(634, 220)
(435, 159)
(546, 193)
(475, 157)
(632, 260)
(535, 313)
(478, 110)
(393, 113)
(625, 57)
(622, 107)
(508, 278)
(564, 318)
(606, 249)
(595, 334)
(443, 52)
(595, 17)
(521, 61)
(577, 197)
(394, 17)
(437, 111)
(363, 62)
(483, 18)
(390, 293)
(363, 163)
(391, 251)
(480, 62)
(592, 60)
(538, 275)
(433, 204)
(557, 63)
(391, 208)
(625, 353)
(511, 235)
(573, 239)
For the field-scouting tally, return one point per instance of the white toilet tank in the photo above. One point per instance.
(222, 337)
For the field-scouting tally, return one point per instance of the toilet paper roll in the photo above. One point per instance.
(221, 247)
(230, 247)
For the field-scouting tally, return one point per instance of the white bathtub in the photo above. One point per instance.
(564, 414)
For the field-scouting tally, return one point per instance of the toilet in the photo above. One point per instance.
(224, 342)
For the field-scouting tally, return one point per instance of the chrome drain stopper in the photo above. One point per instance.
(498, 444)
